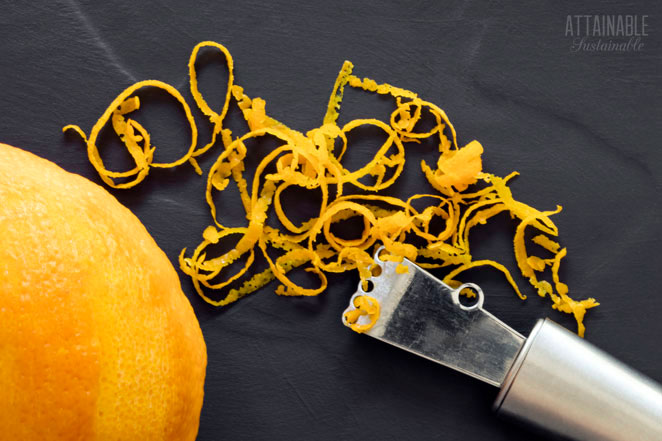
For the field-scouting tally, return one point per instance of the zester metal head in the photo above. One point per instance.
(421, 314)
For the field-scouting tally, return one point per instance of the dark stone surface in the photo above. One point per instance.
(582, 128)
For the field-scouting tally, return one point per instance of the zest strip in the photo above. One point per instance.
(466, 196)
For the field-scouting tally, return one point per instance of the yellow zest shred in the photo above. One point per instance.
(546, 243)
(365, 306)
(215, 118)
(313, 161)
(449, 279)
(133, 134)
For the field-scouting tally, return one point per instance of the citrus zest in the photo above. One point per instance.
(466, 196)
(364, 306)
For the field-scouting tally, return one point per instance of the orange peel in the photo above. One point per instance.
(364, 305)
(126, 129)
(466, 196)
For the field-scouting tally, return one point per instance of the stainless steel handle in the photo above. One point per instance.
(566, 385)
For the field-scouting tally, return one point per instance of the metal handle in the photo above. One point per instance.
(566, 385)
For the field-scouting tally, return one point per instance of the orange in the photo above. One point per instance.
(97, 339)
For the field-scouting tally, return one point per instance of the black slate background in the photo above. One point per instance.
(582, 128)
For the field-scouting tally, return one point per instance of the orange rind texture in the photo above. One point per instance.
(98, 340)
